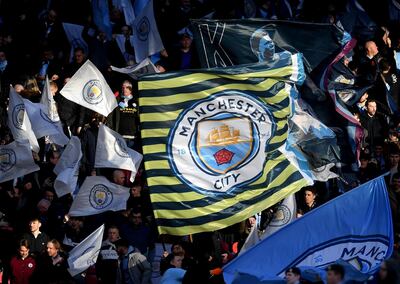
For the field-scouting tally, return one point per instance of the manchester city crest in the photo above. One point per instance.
(143, 29)
(281, 216)
(220, 143)
(100, 196)
(7, 159)
(18, 115)
(45, 116)
(93, 92)
(120, 148)
(223, 144)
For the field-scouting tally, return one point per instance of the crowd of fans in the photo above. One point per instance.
(36, 233)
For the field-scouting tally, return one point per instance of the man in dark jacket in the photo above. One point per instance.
(373, 124)
(37, 240)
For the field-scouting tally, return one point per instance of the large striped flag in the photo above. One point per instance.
(210, 143)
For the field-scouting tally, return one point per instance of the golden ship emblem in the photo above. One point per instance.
(223, 135)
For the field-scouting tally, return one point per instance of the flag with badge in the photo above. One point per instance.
(18, 121)
(285, 213)
(42, 125)
(355, 227)
(16, 160)
(147, 40)
(210, 142)
(67, 168)
(112, 152)
(97, 195)
(86, 252)
(88, 88)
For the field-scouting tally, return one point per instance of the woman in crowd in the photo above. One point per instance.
(22, 265)
(53, 268)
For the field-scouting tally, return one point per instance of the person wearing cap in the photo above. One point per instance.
(335, 274)
(184, 57)
(292, 275)
(36, 239)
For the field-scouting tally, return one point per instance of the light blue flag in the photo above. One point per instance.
(355, 227)
(101, 17)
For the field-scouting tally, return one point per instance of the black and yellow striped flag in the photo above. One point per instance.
(210, 143)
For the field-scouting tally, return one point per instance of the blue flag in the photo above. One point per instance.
(355, 227)
(101, 17)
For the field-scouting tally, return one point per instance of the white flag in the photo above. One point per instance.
(16, 160)
(86, 252)
(88, 88)
(18, 121)
(97, 195)
(74, 36)
(285, 214)
(134, 71)
(129, 13)
(112, 152)
(48, 101)
(147, 40)
(67, 168)
(42, 125)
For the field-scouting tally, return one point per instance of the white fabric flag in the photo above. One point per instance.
(74, 36)
(18, 121)
(112, 152)
(42, 125)
(88, 88)
(97, 195)
(134, 71)
(48, 101)
(120, 39)
(129, 13)
(67, 168)
(86, 252)
(285, 214)
(147, 40)
(16, 160)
